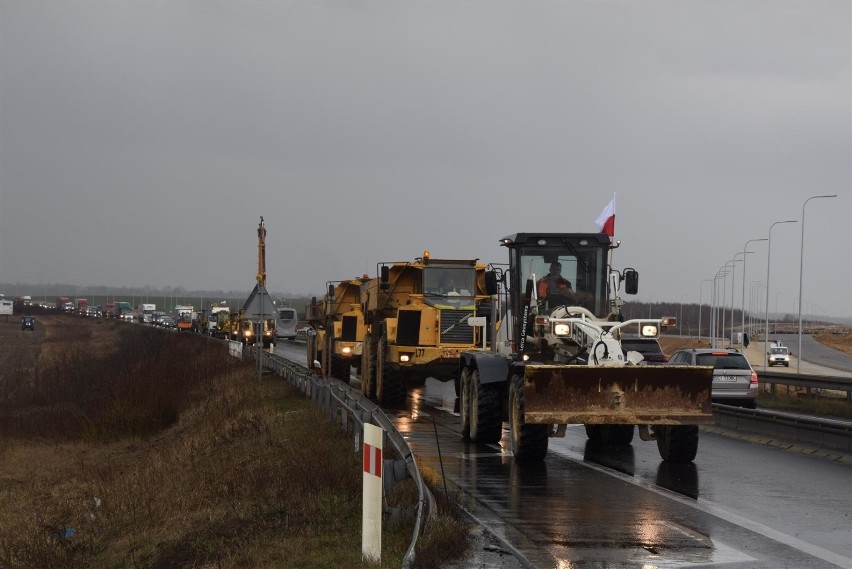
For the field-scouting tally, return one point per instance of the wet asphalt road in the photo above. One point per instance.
(739, 505)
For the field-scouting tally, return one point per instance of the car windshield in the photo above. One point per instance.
(779, 350)
(722, 361)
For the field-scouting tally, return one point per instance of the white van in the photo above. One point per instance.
(779, 355)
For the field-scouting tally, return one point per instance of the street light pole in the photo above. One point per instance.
(700, 290)
(766, 312)
(743, 253)
(742, 324)
(680, 322)
(801, 265)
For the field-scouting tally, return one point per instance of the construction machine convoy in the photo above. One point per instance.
(337, 328)
(419, 316)
(555, 357)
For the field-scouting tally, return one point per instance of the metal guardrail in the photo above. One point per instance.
(807, 382)
(819, 432)
(348, 408)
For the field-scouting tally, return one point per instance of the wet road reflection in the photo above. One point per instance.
(738, 506)
(589, 505)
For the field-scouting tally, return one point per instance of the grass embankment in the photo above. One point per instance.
(126, 446)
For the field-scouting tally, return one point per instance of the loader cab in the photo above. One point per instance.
(583, 260)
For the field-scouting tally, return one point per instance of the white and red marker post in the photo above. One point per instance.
(371, 520)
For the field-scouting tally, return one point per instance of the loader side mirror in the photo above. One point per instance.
(384, 277)
(331, 292)
(491, 283)
(631, 281)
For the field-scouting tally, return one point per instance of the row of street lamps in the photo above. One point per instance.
(729, 265)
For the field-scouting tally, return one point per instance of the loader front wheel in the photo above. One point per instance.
(486, 422)
(529, 442)
(677, 443)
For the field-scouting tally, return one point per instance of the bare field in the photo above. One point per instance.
(842, 342)
(154, 454)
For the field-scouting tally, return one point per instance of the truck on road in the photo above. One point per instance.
(556, 360)
(418, 316)
(338, 328)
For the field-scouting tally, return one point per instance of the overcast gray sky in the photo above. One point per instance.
(140, 141)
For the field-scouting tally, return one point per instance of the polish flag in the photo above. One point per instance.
(606, 220)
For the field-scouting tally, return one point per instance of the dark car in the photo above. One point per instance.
(648, 347)
(27, 323)
(734, 380)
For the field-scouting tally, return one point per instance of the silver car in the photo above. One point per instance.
(734, 380)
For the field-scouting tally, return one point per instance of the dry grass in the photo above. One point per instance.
(198, 465)
(842, 341)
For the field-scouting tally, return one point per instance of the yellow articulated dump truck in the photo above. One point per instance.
(556, 357)
(337, 329)
(420, 317)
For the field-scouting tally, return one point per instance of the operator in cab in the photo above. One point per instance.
(554, 288)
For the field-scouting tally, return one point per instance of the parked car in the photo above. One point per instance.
(734, 380)
(27, 323)
(648, 347)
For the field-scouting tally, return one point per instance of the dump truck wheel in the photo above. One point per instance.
(529, 442)
(463, 393)
(677, 443)
(616, 435)
(390, 389)
(340, 368)
(309, 352)
(486, 424)
(368, 369)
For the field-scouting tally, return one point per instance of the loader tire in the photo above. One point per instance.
(390, 385)
(368, 369)
(340, 368)
(529, 442)
(677, 443)
(615, 435)
(486, 422)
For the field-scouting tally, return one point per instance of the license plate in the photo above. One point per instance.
(725, 378)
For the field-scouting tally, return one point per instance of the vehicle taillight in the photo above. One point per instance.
(753, 378)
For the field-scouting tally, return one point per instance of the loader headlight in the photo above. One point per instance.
(346, 350)
(649, 331)
(404, 358)
(561, 329)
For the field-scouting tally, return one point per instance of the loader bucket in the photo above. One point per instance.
(629, 395)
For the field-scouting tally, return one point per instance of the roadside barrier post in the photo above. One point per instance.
(371, 522)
